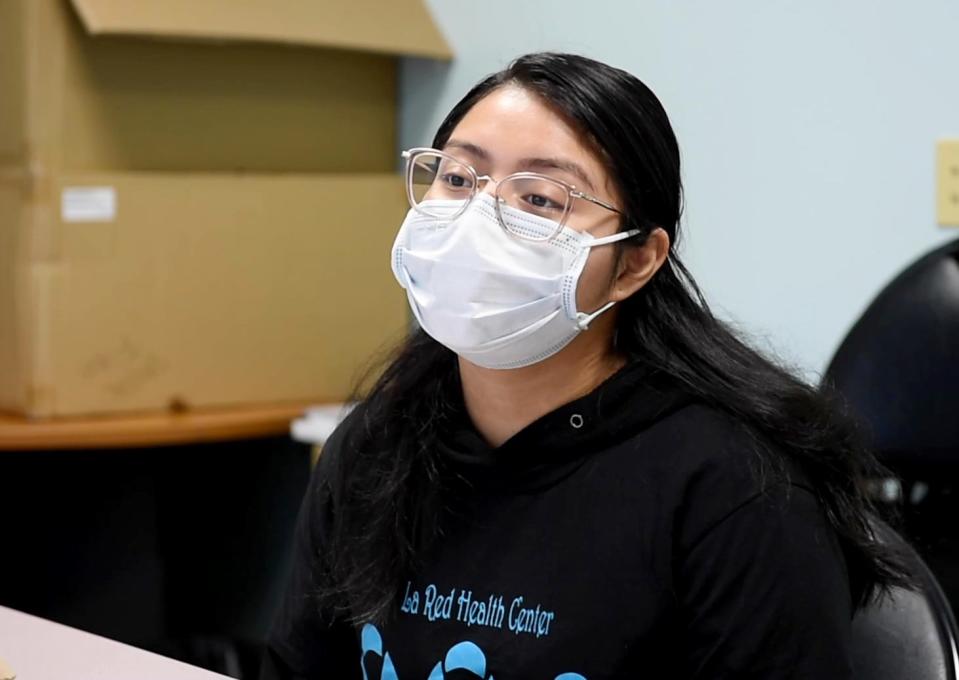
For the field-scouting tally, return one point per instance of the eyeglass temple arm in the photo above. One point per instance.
(593, 199)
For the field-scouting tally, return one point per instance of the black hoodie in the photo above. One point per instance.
(632, 533)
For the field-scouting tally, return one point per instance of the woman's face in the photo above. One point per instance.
(512, 130)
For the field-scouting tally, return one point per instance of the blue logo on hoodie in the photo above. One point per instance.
(463, 656)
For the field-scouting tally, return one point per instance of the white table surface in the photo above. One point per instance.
(37, 649)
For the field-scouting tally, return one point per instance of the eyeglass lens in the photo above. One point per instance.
(439, 177)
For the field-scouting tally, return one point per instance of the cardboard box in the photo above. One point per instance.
(197, 199)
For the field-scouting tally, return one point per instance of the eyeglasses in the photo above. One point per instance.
(433, 176)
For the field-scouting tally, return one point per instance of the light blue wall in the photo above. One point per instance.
(807, 131)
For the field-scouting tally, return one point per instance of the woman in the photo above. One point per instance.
(574, 470)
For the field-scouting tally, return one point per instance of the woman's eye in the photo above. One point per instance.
(542, 202)
(455, 181)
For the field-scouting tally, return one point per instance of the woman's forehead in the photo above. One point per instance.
(511, 124)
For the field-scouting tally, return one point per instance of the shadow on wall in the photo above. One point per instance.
(417, 113)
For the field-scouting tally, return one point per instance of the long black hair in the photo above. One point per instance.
(388, 486)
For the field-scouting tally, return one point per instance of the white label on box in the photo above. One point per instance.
(88, 204)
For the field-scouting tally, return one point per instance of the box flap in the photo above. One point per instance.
(400, 27)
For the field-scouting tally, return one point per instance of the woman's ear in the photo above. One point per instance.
(638, 264)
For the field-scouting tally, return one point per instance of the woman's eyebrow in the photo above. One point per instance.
(477, 151)
(558, 164)
(531, 163)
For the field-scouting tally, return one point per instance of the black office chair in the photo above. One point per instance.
(898, 370)
(898, 367)
(909, 635)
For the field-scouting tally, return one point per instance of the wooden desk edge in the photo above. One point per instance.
(18, 433)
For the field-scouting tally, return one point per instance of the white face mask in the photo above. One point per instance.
(490, 297)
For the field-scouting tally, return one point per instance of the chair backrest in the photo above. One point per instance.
(910, 634)
(898, 368)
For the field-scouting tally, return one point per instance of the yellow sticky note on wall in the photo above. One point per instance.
(947, 180)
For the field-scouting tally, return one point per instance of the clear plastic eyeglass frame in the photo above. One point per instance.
(571, 192)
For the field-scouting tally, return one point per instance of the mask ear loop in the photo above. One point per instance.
(613, 238)
(583, 320)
